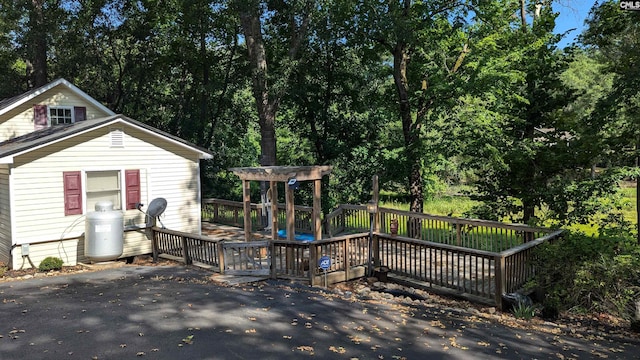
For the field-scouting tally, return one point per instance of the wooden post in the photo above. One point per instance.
(313, 263)
(317, 209)
(458, 234)
(291, 230)
(501, 281)
(345, 260)
(376, 250)
(154, 244)
(221, 260)
(376, 199)
(289, 203)
(246, 200)
(272, 262)
(274, 210)
(185, 251)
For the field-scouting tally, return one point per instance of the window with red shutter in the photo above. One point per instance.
(72, 193)
(132, 183)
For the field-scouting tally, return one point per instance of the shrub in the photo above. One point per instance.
(3, 269)
(50, 263)
(590, 273)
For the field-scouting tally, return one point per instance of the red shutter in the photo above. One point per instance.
(72, 193)
(39, 117)
(80, 113)
(132, 183)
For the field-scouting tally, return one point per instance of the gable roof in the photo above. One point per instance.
(7, 105)
(37, 139)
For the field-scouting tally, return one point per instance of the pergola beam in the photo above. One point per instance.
(275, 174)
(282, 173)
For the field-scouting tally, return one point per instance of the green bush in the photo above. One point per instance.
(590, 273)
(50, 263)
(3, 269)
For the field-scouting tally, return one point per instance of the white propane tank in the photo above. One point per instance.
(104, 233)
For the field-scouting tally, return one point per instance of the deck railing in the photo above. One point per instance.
(478, 259)
(479, 275)
(186, 247)
(285, 259)
(469, 233)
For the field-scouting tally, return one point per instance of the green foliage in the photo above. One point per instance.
(3, 269)
(466, 107)
(50, 263)
(523, 311)
(591, 273)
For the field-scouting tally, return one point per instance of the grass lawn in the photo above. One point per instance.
(453, 205)
(631, 202)
(456, 205)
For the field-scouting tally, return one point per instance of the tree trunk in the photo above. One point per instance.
(410, 129)
(38, 43)
(204, 95)
(266, 106)
(523, 15)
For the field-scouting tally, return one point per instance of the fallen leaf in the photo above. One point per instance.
(188, 339)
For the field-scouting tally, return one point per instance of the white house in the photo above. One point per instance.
(61, 151)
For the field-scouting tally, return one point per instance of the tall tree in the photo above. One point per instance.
(426, 42)
(615, 33)
(38, 40)
(36, 29)
(334, 115)
(289, 22)
(511, 125)
(12, 68)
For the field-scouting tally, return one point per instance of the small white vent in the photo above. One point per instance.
(117, 138)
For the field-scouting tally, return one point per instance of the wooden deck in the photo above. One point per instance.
(461, 272)
(227, 232)
(475, 259)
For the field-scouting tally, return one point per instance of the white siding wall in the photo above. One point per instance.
(71, 251)
(19, 121)
(5, 215)
(166, 171)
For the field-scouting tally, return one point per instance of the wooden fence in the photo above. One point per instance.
(476, 259)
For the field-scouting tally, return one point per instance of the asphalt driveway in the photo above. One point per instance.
(167, 312)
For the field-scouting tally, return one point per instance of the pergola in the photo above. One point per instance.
(274, 175)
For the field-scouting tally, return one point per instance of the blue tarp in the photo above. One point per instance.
(298, 236)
